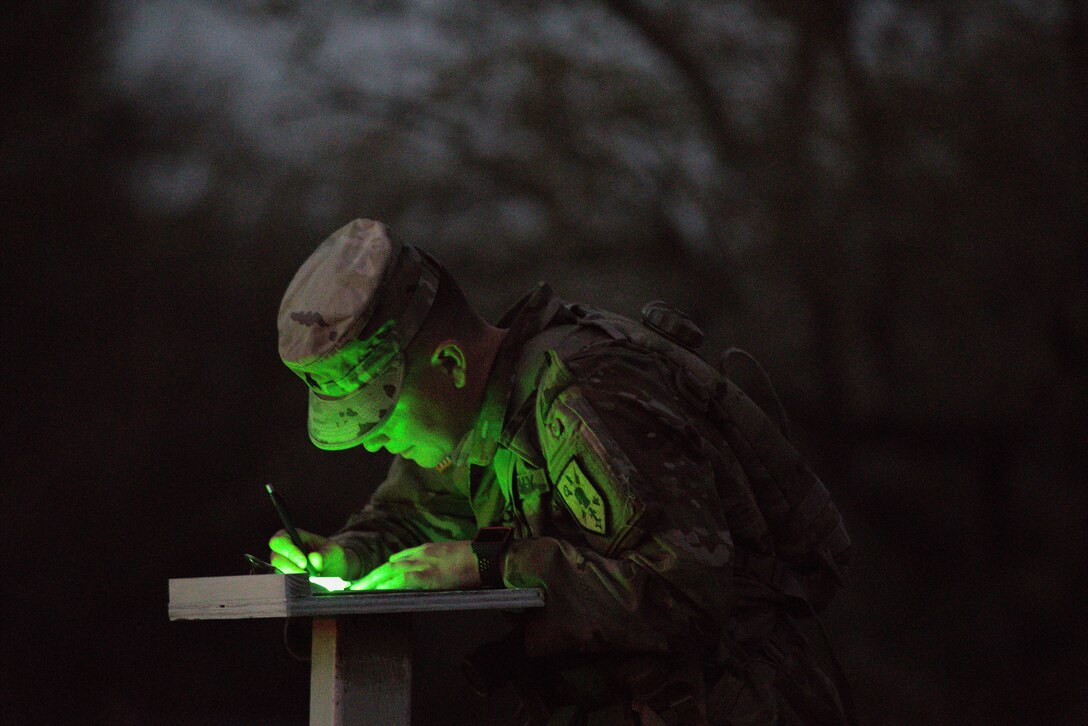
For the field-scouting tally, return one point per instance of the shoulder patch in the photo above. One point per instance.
(583, 498)
(586, 468)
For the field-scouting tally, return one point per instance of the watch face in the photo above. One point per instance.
(492, 534)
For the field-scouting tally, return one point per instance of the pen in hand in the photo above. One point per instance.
(281, 509)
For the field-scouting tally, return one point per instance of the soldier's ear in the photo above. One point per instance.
(450, 359)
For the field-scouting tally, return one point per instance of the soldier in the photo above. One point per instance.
(670, 523)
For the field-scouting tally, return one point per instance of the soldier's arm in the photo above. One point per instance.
(653, 569)
(412, 506)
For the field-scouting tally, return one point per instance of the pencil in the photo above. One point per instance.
(281, 509)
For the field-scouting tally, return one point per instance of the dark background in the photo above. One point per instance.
(883, 200)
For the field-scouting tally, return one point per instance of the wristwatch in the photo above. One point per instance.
(489, 546)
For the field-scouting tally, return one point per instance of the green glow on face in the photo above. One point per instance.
(331, 584)
(430, 416)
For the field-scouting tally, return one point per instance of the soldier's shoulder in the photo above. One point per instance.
(588, 468)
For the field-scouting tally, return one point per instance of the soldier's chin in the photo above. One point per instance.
(422, 457)
(435, 460)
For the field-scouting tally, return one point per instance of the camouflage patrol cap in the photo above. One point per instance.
(344, 322)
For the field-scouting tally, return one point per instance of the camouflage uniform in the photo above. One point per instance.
(631, 511)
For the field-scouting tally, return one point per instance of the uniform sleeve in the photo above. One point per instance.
(653, 569)
(412, 506)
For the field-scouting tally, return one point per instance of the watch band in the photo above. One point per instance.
(489, 546)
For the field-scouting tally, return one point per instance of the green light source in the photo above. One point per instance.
(330, 584)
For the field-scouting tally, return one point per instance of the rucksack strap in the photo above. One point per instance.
(749, 376)
(772, 572)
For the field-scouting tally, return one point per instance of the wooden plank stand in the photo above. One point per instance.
(361, 664)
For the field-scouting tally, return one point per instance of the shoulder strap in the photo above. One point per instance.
(740, 367)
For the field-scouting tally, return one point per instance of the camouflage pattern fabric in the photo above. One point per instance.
(317, 319)
(612, 476)
(349, 312)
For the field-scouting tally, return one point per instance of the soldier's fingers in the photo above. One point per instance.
(281, 543)
(283, 564)
(387, 576)
(377, 574)
(359, 585)
(410, 552)
(398, 568)
(338, 561)
(279, 539)
(402, 580)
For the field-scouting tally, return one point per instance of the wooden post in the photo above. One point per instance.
(361, 670)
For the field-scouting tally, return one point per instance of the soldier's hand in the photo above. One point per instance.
(328, 558)
(432, 566)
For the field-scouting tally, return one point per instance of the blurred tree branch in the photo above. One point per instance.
(659, 30)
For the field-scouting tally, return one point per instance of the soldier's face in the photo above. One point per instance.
(429, 418)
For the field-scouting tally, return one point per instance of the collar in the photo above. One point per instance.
(526, 319)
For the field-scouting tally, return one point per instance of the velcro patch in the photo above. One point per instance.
(583, 499)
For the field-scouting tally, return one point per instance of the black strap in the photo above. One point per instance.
(749, 376)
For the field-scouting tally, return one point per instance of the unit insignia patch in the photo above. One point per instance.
(583, 499)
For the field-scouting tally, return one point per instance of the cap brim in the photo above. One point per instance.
(341, 423)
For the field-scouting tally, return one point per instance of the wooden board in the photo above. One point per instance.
(279, 596)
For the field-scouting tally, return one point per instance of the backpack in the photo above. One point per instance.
(811, 549)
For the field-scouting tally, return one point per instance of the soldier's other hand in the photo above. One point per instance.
(431, 566)
(327, 558)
